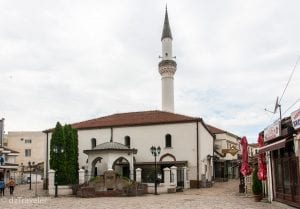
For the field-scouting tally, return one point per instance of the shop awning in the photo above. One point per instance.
(274, 146)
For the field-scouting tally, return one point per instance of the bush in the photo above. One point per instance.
(256, 183)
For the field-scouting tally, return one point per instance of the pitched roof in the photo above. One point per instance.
(111, 146)
(134, 119)
(215, 130)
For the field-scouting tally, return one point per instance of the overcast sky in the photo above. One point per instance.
(70, 61)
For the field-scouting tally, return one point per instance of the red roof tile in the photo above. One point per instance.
(134, 119)
(215, 130)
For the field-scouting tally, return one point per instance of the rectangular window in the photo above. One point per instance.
(168, 140)
(27, 152)
(27, 141)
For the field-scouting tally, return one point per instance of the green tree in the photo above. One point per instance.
(71, 140)
(76, 153)
(256, 183)
(64, 154)
(57, 153)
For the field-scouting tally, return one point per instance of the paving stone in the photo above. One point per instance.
(221, 196)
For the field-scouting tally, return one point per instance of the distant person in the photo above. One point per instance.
(2, 187)
(11, 184)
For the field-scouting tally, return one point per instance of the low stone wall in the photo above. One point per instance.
(64, 190)
(86, 192)
(61, 190)
(194, 184)
(111, 185)
(90, 191)
(161, 188)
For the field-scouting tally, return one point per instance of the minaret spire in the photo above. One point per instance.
(167, 67)
(166, 29)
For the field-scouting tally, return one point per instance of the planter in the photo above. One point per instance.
(258, 198)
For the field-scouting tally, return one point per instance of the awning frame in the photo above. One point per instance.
(274, 146)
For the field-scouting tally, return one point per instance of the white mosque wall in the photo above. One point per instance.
(184, 143)
(206, 149)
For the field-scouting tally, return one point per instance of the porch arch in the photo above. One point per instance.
(167, 155)
(122, 166)
(94, 170)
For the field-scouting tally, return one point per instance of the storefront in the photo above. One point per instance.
(282, 147)
(226, 169)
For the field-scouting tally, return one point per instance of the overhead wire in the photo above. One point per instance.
(291, 106)
(287, 84)
(290, 78)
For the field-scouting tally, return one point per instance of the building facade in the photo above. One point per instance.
(30, 144)
(8, 165)
(282, 148)
(226, 152)
(122, 141)
(185, 142)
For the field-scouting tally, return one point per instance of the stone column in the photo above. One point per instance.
(174, 173)
(89, 168)
(80, 176)
(167, 176)
(185, 178)
(51, 186)
(131, 168)
(138, 175)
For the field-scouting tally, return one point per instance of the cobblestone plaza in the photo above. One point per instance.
(220, 196)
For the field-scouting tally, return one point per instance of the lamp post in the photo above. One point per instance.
(22, 173)
(36, 168)
(57, 150)
(155, 152)
(30, 164)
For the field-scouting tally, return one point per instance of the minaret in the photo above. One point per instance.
(167, 67)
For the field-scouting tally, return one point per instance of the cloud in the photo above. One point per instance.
(75, 60)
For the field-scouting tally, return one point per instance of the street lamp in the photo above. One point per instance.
(155, 151)
(30, 164)
(57, 150)
(22, 173)
(36, 169)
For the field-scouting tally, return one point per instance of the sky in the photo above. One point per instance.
(74, 60)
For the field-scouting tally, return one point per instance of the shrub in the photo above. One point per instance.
(256, 183)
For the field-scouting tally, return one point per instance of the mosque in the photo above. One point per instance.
(123, 141)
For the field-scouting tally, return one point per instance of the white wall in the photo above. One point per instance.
(143, 137)
(206, 148)
(223, 140)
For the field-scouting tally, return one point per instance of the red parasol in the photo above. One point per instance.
(262, 168)
(245, 169)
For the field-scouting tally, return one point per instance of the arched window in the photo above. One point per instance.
(93, 142)
(127, 141)
(168, 140)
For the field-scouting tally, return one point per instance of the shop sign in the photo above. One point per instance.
(295, 116)
(272, 131)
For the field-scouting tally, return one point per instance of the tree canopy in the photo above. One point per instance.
(64, 154)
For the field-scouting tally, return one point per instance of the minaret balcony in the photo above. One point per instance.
(167, 62)
(167, 68)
